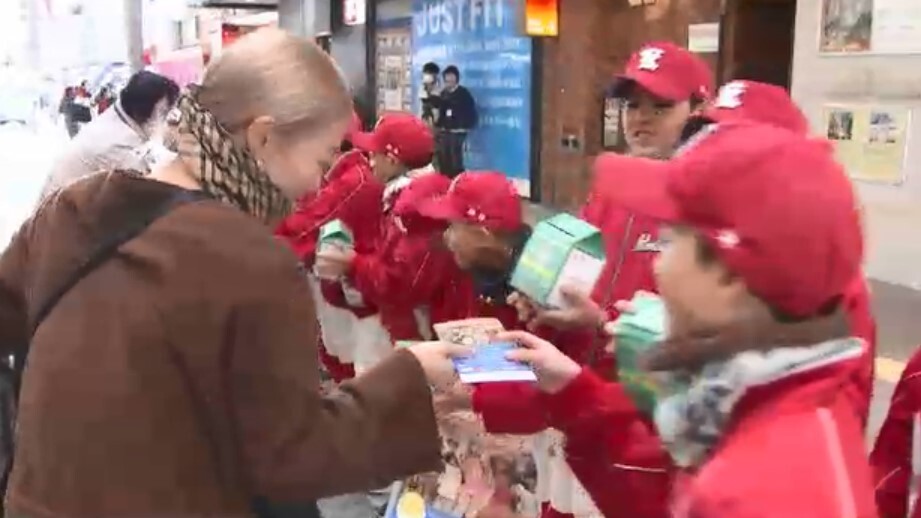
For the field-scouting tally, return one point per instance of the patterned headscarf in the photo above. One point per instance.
(225, 170)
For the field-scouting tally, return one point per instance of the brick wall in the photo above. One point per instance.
(596, 37)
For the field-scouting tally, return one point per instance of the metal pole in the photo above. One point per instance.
(134, 33)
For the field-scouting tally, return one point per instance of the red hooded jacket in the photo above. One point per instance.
(896, 456)
(350, 193)
(409, 270)
(859, 311)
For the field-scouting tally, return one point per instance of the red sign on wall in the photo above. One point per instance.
(542, 17)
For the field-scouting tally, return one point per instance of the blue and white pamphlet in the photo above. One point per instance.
(489, 365)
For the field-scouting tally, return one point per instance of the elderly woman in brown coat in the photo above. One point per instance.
(179, 377)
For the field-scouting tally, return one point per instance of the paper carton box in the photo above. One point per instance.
(562, 250)
(634, 334)
(335, 233)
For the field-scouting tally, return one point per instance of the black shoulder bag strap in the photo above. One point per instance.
(107, 248)
(11, 374)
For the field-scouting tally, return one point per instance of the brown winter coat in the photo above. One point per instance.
(180, 378)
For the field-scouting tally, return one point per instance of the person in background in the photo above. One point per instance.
(431, 88)
(114, 141)
(104, 99)
(66, 109)
(188, 357)
(457, 116)
(348, 192)
(896, 455)
(757, 335)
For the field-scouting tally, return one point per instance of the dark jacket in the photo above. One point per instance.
(180, 378)
(457, 109)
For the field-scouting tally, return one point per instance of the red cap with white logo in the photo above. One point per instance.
(757, 102)
(485, 198)
(666, 71)
(402, 136)
(776, 206)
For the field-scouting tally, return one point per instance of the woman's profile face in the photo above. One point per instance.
(296, 162)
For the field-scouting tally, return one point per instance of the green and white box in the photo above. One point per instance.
(635, 334)
(335, 233)
(562, 251)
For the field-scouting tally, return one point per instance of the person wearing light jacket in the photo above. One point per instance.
(115, 139)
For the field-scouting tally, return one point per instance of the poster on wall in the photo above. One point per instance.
(870, 26)
(870, 141)
(482, 38)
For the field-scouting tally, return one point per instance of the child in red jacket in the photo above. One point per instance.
(757, 332)
(487, 235)
(350, 193)
(769, 104)
(896, 456)
(411, 281)
(662, 86)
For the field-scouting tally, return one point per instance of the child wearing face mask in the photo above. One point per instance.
(351, 193)
(758, 333)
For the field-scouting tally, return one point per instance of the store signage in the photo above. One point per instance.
(484, 39)
(542, 17)
(353, 12)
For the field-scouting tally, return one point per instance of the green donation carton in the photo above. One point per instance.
(562, 251)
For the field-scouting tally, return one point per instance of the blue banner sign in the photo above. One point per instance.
(482, 38)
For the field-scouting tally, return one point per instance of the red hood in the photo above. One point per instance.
(422, 188)
(345, 162)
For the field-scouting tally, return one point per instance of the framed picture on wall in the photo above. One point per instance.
(848, 27)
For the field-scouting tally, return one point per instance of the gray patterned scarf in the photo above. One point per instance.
(225, 170)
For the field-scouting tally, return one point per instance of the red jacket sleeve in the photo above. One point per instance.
(510, 407)
(863, 325)
(351, 196)
(518, 407)
(612, 448)
(891, 455)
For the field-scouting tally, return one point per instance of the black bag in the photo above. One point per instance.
(80, 113)
(11, 368)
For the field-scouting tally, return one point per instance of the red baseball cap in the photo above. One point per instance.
(666, 71)
(402, 136)
(422, 188)
(776, 206)
(757, 102)
(483, 198)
